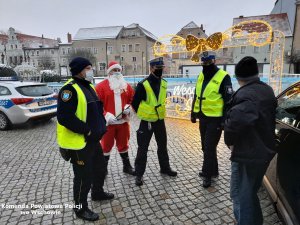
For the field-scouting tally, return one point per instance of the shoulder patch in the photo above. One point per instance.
(66, 95)
(229, 90)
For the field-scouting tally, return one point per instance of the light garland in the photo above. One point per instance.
(252, 32)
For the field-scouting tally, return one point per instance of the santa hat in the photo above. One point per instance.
(113, 65)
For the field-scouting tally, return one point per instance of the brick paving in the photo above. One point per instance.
(32, 172)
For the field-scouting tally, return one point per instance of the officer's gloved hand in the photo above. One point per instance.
(110, 119)
(193, 118)
(93, 137)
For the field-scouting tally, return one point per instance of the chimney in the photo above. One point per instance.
(42, 36)
(201, 27)
(241, 16)
(69, 37)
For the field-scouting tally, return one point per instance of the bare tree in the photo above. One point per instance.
(46, 63)
(83, 53)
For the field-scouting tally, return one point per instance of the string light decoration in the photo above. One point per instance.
(257, 33)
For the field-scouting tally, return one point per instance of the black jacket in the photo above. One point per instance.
(140, 92)
(67, 105)
(250, 123)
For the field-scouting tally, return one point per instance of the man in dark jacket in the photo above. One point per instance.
(249, 132)
(80, 126)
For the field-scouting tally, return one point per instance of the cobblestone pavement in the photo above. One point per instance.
(32, 172)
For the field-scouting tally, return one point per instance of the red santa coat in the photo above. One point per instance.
(114, 103)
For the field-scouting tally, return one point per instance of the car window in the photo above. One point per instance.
(34, 90)
(288, 110)
(4, 91)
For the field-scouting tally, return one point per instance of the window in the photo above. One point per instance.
(225, 51)
(95, 50)
(137, 47)
(4, 91)
(16, 46)
(122, 58)
(134, 67)
(288, 110)
(123, 48)
(183, 55)
(69, 50)
(123, 67)
(63, 51)
(109, 50)
(102, 66)
(130, 48)
(53, 63)
(12, 47)
(89, 50)
(52, 51)
(37, 53)
(32, 53)
(243, 49)
(134, 59)
(256, 49)
(64, 61)
(10, 60)
(16, 60)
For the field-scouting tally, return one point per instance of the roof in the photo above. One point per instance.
(30, 41)
(146, 32)
(277, 21)
(98, 33)
(190, 25)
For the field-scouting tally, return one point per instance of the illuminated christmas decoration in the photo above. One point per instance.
(252, 32)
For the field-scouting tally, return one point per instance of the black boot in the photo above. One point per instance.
(86, 214)
(139, 181)
(101, 196)
(206, 182)
(127, 168)
(106, 157)
(169, 172)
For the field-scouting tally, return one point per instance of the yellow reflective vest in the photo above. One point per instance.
(66, 138)
(212, 102)
(152, 109)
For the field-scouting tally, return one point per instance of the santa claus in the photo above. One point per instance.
(116, 96)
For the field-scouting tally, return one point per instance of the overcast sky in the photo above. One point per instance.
(55, 18)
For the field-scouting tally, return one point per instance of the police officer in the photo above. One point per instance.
(213, 92)
(149, 103)
(80, 126)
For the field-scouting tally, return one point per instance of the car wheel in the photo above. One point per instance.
(4, 122)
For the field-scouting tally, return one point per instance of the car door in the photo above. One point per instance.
(288, 144)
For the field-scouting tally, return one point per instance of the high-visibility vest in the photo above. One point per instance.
(66, 138)
(212, 102)
(152, 109)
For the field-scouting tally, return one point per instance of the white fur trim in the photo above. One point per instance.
(115, 66)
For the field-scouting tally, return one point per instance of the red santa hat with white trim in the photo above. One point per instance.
(113, 65)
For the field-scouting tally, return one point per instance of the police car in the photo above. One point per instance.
(21, 102)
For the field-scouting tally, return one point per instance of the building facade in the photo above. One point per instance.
(278, 22)
(17, 48)
(130, 46)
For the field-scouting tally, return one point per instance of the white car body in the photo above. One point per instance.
(24, 101)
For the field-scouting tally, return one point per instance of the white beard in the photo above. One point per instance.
(116, 84)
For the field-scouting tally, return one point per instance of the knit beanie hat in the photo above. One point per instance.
(78, 64)
(246, 69)
(113, 65)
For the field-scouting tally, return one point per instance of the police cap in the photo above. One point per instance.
(158, 62)
(207, 55)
